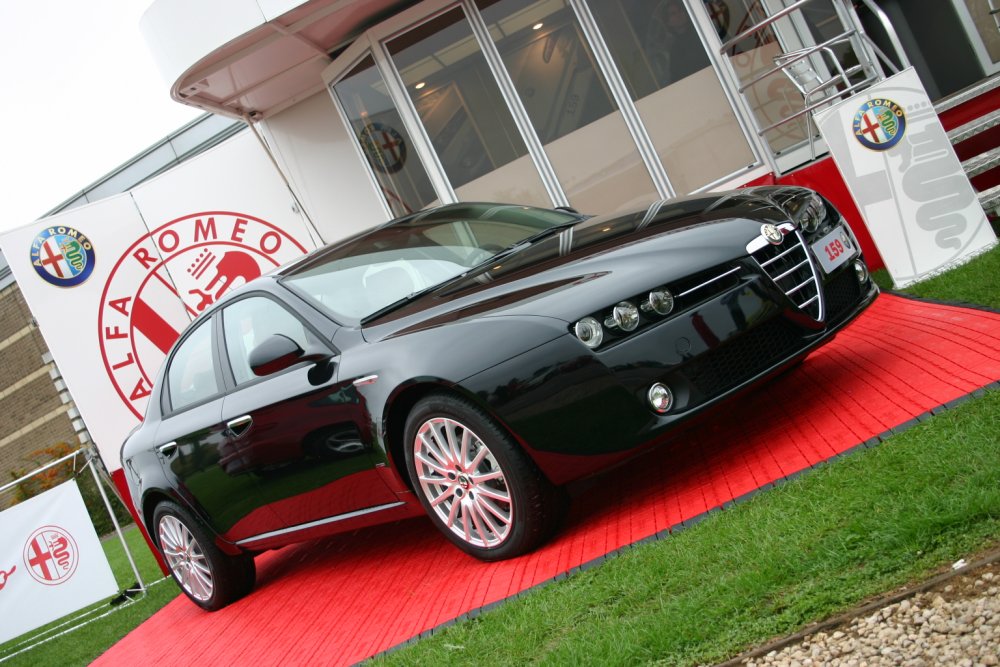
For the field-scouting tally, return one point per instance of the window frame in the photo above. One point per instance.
(223, 349)
(166, 399)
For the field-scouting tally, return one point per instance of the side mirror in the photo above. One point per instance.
(275, 354)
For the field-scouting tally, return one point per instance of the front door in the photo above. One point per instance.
(303, 436)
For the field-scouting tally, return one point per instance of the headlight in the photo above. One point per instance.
(625, 316)
(660, 301)
(589, 331)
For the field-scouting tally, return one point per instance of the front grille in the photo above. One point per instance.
(745, 356)
(789, 267)
(842, 292)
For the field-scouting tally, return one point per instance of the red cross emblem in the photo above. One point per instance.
(870, 128)
(51, 555)
(52, 260)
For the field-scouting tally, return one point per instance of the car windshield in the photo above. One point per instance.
(385, 266)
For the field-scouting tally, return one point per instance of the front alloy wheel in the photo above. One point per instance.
(478, 486)
(463, 482)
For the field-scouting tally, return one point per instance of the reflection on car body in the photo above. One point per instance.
(468, 361)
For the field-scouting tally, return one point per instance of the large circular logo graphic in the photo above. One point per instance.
(51, 555)
(879, 124)
(168, 276)
(62, 256)
(384, 147)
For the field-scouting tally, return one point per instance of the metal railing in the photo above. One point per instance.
(797, 65)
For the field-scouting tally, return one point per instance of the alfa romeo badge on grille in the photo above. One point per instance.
(772, 234)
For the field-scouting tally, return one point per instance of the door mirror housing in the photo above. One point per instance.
(275, 354)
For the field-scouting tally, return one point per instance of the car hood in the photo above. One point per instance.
(595, 263)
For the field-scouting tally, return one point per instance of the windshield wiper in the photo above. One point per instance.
(509, 250)
(399, 303)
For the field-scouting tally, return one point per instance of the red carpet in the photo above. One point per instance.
(341, 600)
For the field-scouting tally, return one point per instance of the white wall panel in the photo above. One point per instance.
(317, 153)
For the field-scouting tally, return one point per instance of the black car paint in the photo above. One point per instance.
(500, 337)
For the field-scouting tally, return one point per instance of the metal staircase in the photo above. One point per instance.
(822, 72)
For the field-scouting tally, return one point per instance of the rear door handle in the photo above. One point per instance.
(240, 425)
(168, 448)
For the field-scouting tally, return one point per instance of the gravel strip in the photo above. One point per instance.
(957, 625)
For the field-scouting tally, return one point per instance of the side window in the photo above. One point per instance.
(191, 377)
(251, 321)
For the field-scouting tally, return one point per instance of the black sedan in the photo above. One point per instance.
(468, 361)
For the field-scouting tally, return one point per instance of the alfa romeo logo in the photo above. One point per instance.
(772, 234)
(51, 555)
(62, 256)
(169, 276)
(879, 124)
(384, 147)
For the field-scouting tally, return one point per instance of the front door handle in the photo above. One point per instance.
(240, 425)
(168, 448)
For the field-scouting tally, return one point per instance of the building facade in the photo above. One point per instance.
(36, 410)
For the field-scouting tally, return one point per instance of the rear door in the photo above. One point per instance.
(193, 444)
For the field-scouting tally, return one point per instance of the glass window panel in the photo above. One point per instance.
(568, 103)
(460, 105)
(251, 321)
(384, 141)
(191, 376)
(677, 93)
(774, 97)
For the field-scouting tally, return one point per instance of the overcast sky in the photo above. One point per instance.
(81, 95)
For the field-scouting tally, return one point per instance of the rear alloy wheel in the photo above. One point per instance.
(477, 485)
(211, 578)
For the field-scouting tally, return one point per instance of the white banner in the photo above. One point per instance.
(112, 284)
(51, 561)
(902, 171)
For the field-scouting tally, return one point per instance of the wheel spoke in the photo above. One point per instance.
(467, 528)
(445, 495)
(478, 524)
(430, 464)
(463, 456)
(484, 517)
(480, 455)
(487, 476)
(443, 447)
(493, 509)
(452, 514)
(451, 438)
(496, 494)
(431, 447)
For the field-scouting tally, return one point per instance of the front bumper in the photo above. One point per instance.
(574, 410)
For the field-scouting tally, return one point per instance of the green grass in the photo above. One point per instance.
(81, 646)
(977, 281)
(856, 528)
(799, 553)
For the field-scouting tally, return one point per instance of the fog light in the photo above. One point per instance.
(661, 398)
(861, 271)
(660, 301)
(626, 316)
(589, 331)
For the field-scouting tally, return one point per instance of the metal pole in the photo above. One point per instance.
(114, 520)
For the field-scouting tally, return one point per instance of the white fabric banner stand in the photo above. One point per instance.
(51, 561)
(903, 174)
(112, 284)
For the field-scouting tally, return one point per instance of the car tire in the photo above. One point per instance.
(477, 485)
(211, 578)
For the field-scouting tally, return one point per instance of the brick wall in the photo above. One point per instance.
(32, 414)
